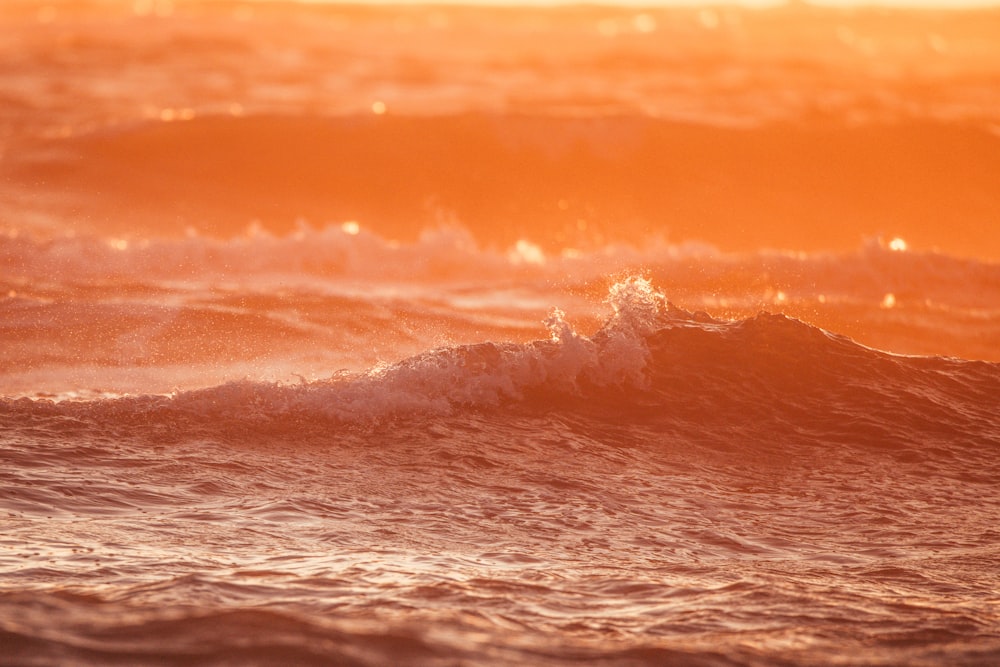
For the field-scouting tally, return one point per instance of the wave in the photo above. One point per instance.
(86, 267)
(557, 182)
(53, 627)
(194, 311)
(765, 379)
(451, 252)
(96, 632)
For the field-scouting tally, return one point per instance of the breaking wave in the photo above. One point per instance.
(715, 381)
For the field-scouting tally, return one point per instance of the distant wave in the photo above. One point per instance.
(443, 253)
(557, 182)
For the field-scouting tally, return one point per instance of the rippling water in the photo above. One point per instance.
(447, 336)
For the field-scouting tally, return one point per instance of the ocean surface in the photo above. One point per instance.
(340, 335)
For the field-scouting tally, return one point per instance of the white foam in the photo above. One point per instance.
(482, 375)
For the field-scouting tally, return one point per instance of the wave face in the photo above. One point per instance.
(340, 335)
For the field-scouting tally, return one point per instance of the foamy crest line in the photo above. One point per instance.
(471, 376)
(336, 250)
(348, 251)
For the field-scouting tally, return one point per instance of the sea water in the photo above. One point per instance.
(452, 336)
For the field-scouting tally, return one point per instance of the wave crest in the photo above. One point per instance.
(651, 360)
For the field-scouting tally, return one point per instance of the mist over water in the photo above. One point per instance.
(437, 336)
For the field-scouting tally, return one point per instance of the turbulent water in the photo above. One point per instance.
(455, 336)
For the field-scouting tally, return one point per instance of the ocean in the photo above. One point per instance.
(347, 335)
